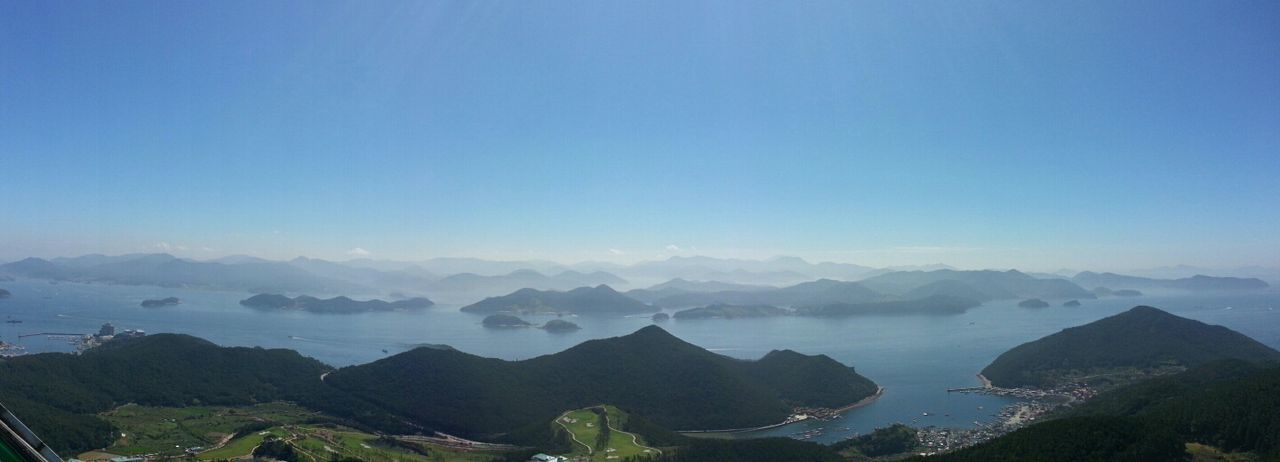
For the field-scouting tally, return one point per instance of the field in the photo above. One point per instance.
(170, 431)
(585, 426)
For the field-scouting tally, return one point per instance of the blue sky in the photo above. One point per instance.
(1029, 134)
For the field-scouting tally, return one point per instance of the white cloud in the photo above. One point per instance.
(359, 252)
(165, 246)
(617, 252)
(673, 248)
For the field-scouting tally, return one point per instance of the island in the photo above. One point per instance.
(4, 293)
(1127, 293)
(1071, 303)
(1033, 303)
(560, 325)
(335, 305)
(502, 321)
(661, 317)
(600, 299)
(154, 303)
(731, 311)
(934, 305)
(1138, 343)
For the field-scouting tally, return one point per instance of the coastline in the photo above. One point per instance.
(860, 403)
(985, 383)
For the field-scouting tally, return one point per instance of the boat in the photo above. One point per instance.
(14, 321)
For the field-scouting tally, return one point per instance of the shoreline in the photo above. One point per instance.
(860, 403)
(985, 383)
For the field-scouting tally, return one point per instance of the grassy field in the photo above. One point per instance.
(585, 426)
(169, 431)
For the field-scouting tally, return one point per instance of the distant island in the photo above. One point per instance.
(4, 293)
(1198, 282)
(501, 321)
(661, 317)
(1127, 293)
(732, 311)
(937, 304)
(1033, 303)
(600, 299)
(1140, 342)
(154, 303)
(1071, 303)
(560, 325)
(335, 305)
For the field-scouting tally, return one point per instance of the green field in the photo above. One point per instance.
(169, 431)
(585, 424)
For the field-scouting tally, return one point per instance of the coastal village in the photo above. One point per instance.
(936, 440)
(81, 342)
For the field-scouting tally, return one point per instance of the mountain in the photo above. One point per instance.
(808, 293)
(168, 271)
(650, 373)
(400, 280)
(335, 305)
(601, 299)
(1136, 342)
(731, 311)
(59, 395)
(521, 279)
(1198, 282)
(936, 304)
(994, 285)
(950, 288)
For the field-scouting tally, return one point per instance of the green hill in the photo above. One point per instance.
(1230, 405)
(1134, 342)
(650, 373)
(600, 299)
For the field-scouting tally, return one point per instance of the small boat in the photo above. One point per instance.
(384, 351)
(14, 321)
(926, 414)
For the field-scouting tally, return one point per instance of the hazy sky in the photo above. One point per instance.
(1033, 134)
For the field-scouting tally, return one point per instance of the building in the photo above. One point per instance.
(107, 330)
(546, 458)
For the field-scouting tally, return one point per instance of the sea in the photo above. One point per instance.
(916, 358)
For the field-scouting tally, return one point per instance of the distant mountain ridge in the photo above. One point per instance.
(1198, 282)
(806, 293)
(1143, 338)
(992, 285)
(335, 305)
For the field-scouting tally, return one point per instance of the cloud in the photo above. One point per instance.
(673, 248)
(165, 246)
(359, 252)
(617, 252)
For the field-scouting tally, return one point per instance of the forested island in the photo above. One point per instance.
(601, 299)
(335, 305)
(501, 321)
(154, 303)
(936, 304)
(731, 311)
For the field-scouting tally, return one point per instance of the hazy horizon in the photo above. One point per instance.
(980, 135)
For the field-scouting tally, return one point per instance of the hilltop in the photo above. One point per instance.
(1136, 342)
(650, 373)
(601, 299)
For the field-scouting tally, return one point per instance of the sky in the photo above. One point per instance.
(1038, 135)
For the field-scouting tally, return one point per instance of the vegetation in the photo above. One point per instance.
(822, 291)
(1033, 303)
(335, 305)
(560, 325)
(1224, 410)
(1143, 338)
(167, 301)
(748, 450)
(894, 439)
(583, 300)
(504, 320)
(650, 373)
(731, 311)
(937, 304)
(171, 430)
(995, 285)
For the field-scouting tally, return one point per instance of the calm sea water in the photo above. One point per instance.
(916, 358)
